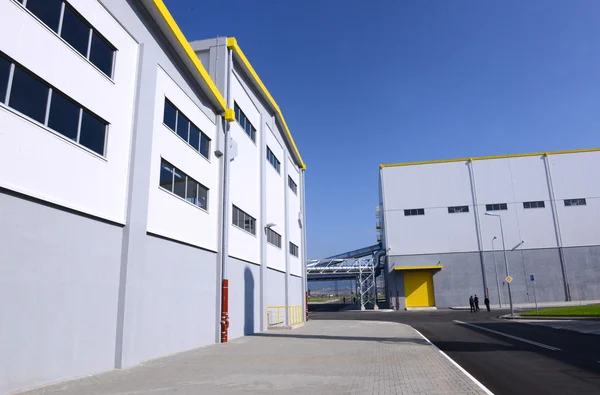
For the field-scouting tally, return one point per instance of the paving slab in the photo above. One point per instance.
(322, 357)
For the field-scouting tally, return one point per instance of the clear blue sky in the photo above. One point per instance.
(368, 82)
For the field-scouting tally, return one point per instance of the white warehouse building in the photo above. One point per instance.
(441, 227)
(137, 173)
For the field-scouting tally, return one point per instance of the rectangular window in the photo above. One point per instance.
(75, 30)
(243, 220)
(539, 204)
(244, 122)
(292, 185)
(458, 209)
(273, 160)
(4, 75)
(48, 11)
(273, 238)
(180, 124)
(496, 207)
(575, 202)
(64, 115)
(29, 95)
(293, 249)
(414, 211)
(178, 183)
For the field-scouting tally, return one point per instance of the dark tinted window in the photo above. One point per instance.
(170, 114)
(28, 95)
(191, 194)
(64, 115)
(166, 176)
(182, 126)
(4, 73)
(75, 31)
(180, 181)
(204, 145)
(93, 132)
(47, 10)
(203, 197)
(194, 137)
(101, 54)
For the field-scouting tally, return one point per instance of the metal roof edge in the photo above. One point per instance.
(190, 58)
(430, 162)
(233, 45)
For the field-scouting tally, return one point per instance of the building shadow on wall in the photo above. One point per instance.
(248, 302)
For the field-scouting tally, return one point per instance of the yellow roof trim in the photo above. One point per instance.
(404, 268)
(233, 45)
(429, 162)
(170, 21)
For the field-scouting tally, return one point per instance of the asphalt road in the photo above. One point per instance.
(564, 362)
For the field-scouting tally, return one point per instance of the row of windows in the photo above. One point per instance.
(243, 220)
(273, 160)
(244, 122)
(178, 183)
(273, 238)
(28, 94)
(497, 207)
(59, 16)
(293, 249)
(292, 185)
(180, 124)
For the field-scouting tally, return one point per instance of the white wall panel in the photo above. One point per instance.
(245, 178)
(276, 202)
(169, 215)
(575, 175)
(528, 176)
(493, 181)
(38, 162)
(580, 225)
(427, 186)
(295, 231)
(435, 232)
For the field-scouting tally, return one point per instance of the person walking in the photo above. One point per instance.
(487, 303)
(472, 303)
(476, 301)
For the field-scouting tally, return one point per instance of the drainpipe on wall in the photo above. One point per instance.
(303, 235)
(227, 157)
(477, 225)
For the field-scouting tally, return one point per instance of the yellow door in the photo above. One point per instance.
(418, 288)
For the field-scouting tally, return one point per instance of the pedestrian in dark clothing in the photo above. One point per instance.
(472, 303)
(487, 303)
(476, 301)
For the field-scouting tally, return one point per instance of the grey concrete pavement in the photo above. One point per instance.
(323, 357)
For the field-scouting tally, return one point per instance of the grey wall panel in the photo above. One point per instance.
(173, 292)
(583, 272)
(59, 276)
(244, 298)
(275, 288)
(296, 297)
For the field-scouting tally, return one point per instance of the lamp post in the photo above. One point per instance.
(512, 311)
(496, 269)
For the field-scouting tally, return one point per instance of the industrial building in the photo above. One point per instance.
(445, 226)
(138, 172)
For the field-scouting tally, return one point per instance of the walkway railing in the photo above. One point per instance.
(284, 316)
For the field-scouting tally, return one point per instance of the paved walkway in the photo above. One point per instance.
(323, 357)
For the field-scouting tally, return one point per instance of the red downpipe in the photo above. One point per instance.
(307, 306)
(224, 311)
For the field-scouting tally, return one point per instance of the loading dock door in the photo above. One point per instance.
(418, 288)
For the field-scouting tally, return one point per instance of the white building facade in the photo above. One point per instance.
(113, 229)
(441, 228)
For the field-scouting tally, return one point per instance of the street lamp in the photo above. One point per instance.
(496, 269)
(512, 311)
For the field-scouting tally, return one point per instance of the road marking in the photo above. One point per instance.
(510, 336)
(483, 387)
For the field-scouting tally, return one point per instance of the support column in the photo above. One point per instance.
(263, 221)
(477, 225)
(286, 237)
